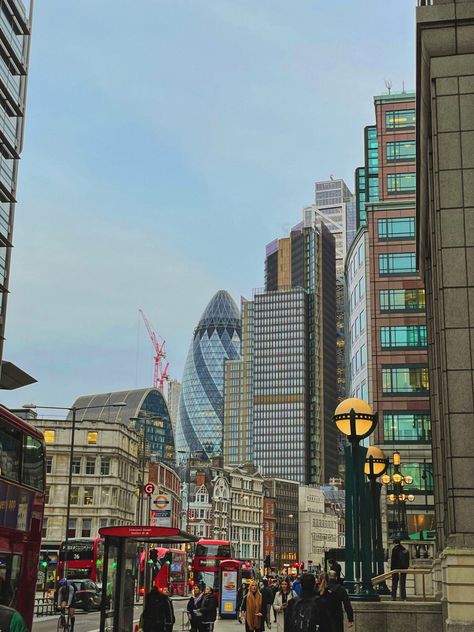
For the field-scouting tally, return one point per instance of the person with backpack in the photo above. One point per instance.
(254, 609)
(400, 559)
(281, 604)
(156, 611)
(337, 597)
(308, 613)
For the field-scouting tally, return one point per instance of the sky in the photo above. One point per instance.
(166, 143)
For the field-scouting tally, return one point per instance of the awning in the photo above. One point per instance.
(13, 377)
(165, 535)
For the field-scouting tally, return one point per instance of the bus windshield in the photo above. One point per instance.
(213, 550)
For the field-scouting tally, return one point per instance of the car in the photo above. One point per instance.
(88, 595)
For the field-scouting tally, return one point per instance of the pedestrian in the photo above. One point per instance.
(280, 605)
(170, 619)
(194, 608)
(337, 598)
(275, 588)
(297, 586)
(253, 609)
(400, 559)
(155, 611)
(208, 610)
(335, 566)
(268, 596)
(308, 613)
(240, 597)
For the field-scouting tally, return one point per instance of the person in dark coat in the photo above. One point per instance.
(155, 611)
(208, 610)
(240, 596)
(194, 608)
(337, 597)
(268, 596)
(170, 619)
(311, 604)
(400, 559)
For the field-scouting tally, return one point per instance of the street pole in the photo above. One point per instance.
(69, 490)
(142, 492)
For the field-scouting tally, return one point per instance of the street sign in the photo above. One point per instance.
(161, 510)
(149, 488)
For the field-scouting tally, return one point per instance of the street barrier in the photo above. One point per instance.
(44, 607)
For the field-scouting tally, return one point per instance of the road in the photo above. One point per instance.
(89, 622)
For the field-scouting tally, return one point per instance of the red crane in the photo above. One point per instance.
(160, 373)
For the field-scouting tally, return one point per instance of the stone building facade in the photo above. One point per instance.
(318, 527)
(104, 483)
(445, 218)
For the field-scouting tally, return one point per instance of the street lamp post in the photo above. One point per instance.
(398, 497)
(356, 420)
(74, 410)
(376, 465)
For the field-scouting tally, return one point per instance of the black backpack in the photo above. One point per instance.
(302, 616)
(404, 558)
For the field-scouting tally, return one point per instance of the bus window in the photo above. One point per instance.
(10, 567)
(10, 449)
(33, 463)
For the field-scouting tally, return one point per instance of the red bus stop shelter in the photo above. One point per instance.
(120, 570)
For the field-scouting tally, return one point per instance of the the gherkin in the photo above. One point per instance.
(201, 407)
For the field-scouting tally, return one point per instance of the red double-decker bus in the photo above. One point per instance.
(169, 568)
(22, 484)
(207, 558)
(85, 557)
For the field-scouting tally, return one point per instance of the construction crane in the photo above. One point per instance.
(160, 373)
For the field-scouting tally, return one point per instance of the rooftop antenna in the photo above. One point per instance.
(388, 84)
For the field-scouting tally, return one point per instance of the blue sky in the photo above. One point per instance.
(167, 141)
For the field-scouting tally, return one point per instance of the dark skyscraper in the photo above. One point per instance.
(284, 386)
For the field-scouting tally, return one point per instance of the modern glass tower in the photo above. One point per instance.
(15, 29)
(201, 407)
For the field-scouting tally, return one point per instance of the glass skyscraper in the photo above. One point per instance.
(15, 29)
(201, 407)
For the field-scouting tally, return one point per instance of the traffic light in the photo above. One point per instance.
(168, 557)
(44, 562)
(153, 557)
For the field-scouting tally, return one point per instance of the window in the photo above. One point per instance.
(410, 380)
(86, 528)
(33, 462)
(10, 567)
(403, 337)
(402, 300)
(49, 465)
(44, 528)
(92, 437)
(90, 466)
(401, 183)
(397, 263)
(400, 119)
(396, 228)
(74, 495)
(88, 495)
(102, 523)
(71, 528)
(401, 151)
(49, 436)
(422, 474)
(105, 467)
(76, 466)
(10, 450)
(412, 427)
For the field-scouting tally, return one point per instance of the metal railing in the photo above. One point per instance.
(44, 607)
(412, 571)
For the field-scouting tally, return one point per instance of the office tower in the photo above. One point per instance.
(173, 397)
(335, 206)
(394, 302)
(445, 203)
(284, 386)
(201, 408)
(15, 30)
(146, 411)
